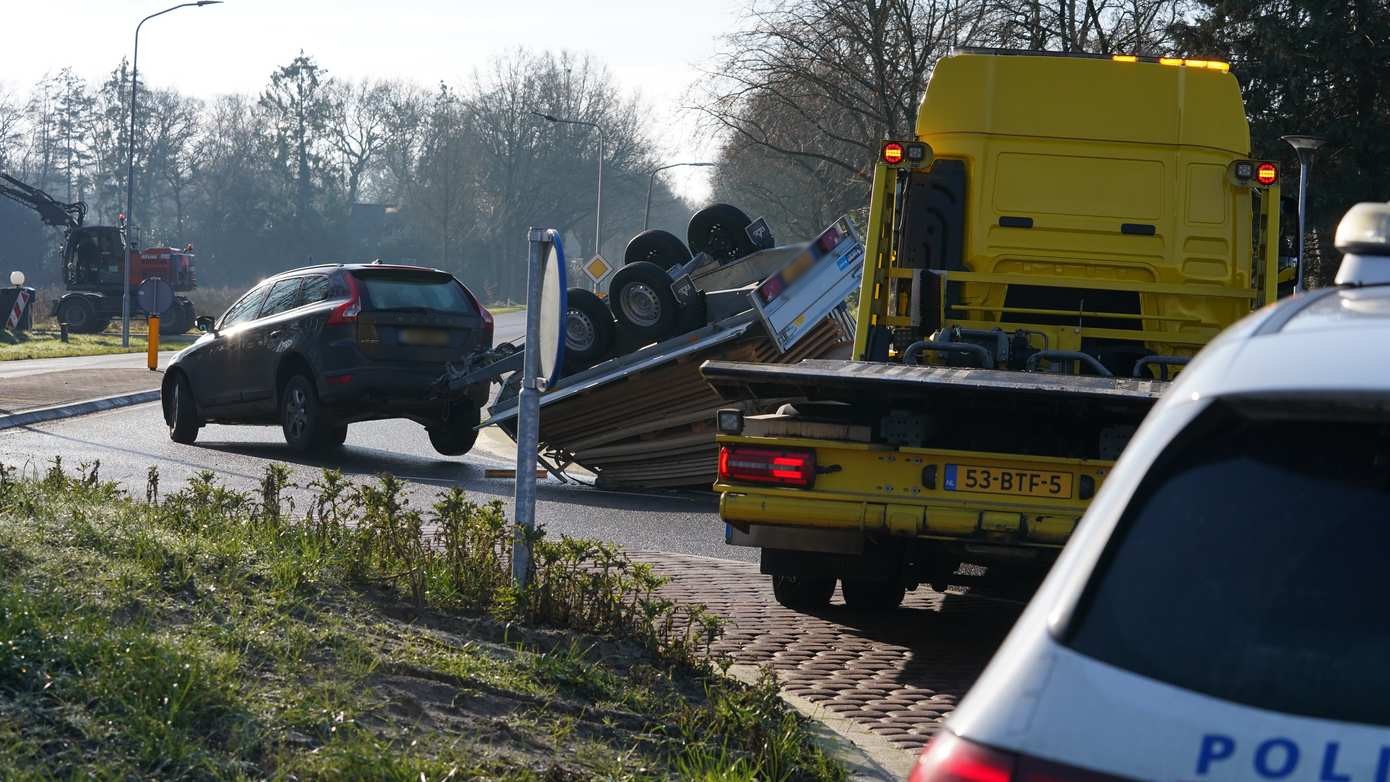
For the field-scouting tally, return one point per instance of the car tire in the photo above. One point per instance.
(718, 230)
(662, 248)
(801, 593)
(183, 413)
(872, 595)
(301, 416)
(80, 315)
(456, 436)
(589, 330)
(334, 437)
(641, 300)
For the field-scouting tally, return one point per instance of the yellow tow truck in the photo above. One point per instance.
(1060, 237)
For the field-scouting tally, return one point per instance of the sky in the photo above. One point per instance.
(656, 48)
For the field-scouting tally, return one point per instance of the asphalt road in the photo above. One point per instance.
(128, 441)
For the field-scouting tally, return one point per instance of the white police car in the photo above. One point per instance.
(1223, 610)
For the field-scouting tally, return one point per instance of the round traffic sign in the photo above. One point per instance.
(155, 296)
(554, 306)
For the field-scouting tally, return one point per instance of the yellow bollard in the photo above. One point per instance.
(152, 351)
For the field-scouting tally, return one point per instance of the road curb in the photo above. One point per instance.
(867, 757)
(71, 410)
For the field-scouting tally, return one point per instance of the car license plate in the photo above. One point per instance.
(1002, 480)
(425, 337)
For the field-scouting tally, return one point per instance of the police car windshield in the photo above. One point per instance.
(1251, 566)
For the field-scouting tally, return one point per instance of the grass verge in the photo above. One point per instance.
(15, 347)
(215, 634)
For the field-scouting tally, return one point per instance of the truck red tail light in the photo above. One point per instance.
(778, 466)
(893, 153)
(348, 311)
(1266, 174)
(949, 758)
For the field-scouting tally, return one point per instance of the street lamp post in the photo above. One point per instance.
(602, 143)
(130, 160)
(1305, 146)
(651, 182)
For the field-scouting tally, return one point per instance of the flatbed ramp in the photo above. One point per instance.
(646, 419)
(868, 383)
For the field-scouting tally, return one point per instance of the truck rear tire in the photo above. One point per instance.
(872, 595)
(718, 230)
(80, 315)
(801, 593)
(589, 330)
(641, 300)
(662, 248)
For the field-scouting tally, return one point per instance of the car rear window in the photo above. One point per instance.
(393, 289)
(1250, 566)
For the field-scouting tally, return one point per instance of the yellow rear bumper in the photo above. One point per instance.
(996, 522)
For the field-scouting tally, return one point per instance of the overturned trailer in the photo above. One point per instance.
(645, 418)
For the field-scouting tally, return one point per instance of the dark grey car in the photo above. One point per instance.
(318, 348)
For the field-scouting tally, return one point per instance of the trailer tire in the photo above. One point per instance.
(641, 300)
(662, 248)
(80, 315)
(589, 330)
(801, 593)
(872, 595)
(718, 231)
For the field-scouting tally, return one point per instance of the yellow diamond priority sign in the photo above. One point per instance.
(596, 268)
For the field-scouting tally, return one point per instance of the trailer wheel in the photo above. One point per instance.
(589, 330)
(872, 595)
(663, 248)
(641, 300)
(718, 230)
(80, 315)
(800, 593)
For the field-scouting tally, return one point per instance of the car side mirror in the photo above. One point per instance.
(205, 324)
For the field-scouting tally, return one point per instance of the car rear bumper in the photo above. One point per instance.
(361, 393)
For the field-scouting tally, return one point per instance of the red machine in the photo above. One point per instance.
(94, 259)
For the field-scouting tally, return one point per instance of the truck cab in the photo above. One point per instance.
(1060, 236)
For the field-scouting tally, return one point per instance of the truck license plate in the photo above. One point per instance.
(427, 337)
(1001, 480)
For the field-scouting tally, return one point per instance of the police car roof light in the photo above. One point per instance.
(1364, 236)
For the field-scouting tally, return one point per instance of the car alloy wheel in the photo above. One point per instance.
(297, 412)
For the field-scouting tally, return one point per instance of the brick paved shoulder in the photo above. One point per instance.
(28, 392)
(896, 674)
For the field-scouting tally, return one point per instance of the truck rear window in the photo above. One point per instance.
(1251, 566)
(404, 290)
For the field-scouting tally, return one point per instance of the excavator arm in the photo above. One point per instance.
(52, 211)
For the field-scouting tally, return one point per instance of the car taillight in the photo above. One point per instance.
(950, 758)
(779, 466)
(348, 311)
(487, 326)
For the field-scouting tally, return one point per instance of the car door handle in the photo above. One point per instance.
(276, 334)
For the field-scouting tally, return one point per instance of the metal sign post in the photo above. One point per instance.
(545, 341)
